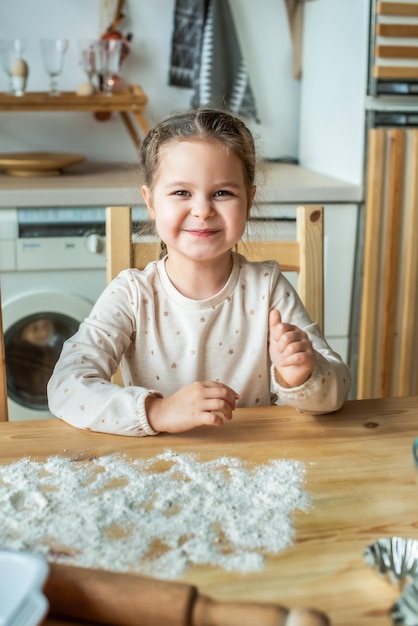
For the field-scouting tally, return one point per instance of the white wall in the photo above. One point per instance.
(265, 39)
(333, 90)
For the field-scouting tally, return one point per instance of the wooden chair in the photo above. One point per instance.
(4, 416)
(303, 256)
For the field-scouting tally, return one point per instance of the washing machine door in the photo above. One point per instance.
(35, 327)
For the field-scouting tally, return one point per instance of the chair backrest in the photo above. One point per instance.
(305, 256)
(4, 416)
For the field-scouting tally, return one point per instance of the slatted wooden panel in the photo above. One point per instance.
(396, 60)
(397, 8)
(391, 259)
(396, 73)
(407, 382)
(388, 358)
(397, 30)
(373, 235)
(397, 52)
(3, 380)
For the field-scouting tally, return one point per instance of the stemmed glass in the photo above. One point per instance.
(12, 50)
(86, 48)
(107, 59)
(53, 53)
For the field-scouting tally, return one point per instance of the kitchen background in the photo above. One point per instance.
(285, 105)
(265, 41)
(318, 122)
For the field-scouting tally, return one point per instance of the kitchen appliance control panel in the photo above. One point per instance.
(53, 238)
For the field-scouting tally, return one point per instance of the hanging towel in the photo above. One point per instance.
(189, 20)
(219, 76)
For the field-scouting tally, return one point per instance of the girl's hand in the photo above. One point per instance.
(291, 352)
(198, 404)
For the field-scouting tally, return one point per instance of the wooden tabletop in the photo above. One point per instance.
(359, 474)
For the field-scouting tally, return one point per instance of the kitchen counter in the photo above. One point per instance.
(102, 184)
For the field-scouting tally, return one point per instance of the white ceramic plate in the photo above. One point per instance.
(22, 576)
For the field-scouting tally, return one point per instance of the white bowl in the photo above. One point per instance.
(22, 576)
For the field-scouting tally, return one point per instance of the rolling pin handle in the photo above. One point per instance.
(208, 612)
(307, 617)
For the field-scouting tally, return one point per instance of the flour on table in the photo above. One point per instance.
(156, 517)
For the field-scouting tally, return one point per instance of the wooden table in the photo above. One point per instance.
(129, 103)
(359, 475)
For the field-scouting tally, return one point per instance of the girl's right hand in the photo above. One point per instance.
(205, 403)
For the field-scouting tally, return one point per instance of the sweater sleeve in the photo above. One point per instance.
(80, 390)
(328, 386)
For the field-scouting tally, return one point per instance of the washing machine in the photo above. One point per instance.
(52, 269)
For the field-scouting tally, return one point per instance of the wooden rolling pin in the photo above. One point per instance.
(130, 600)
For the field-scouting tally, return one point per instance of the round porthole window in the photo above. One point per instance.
(33, 346)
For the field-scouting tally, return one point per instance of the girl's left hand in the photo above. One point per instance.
(291, 351)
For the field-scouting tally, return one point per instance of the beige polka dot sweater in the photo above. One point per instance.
(165, 341)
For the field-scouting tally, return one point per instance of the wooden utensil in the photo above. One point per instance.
(129, 600)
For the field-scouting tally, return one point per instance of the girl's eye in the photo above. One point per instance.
(222, 192)
(181, 192)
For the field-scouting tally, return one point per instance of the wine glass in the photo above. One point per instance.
(12, 51)
(107, 55)
(53, 53)
(87, 58)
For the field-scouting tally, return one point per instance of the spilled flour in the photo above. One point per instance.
(156, 517)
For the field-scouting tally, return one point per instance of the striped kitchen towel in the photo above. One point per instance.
(206, 57)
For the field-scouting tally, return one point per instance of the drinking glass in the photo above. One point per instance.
(107, 59)
(87, 57)
(53, 53)
(11, 50)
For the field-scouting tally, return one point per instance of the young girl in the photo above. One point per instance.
(202, 330)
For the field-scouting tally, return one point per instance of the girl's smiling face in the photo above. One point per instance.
(199, 201)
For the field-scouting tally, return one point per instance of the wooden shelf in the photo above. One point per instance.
(130, 103)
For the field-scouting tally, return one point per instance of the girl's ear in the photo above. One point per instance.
(146, 194)
(251, 200)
